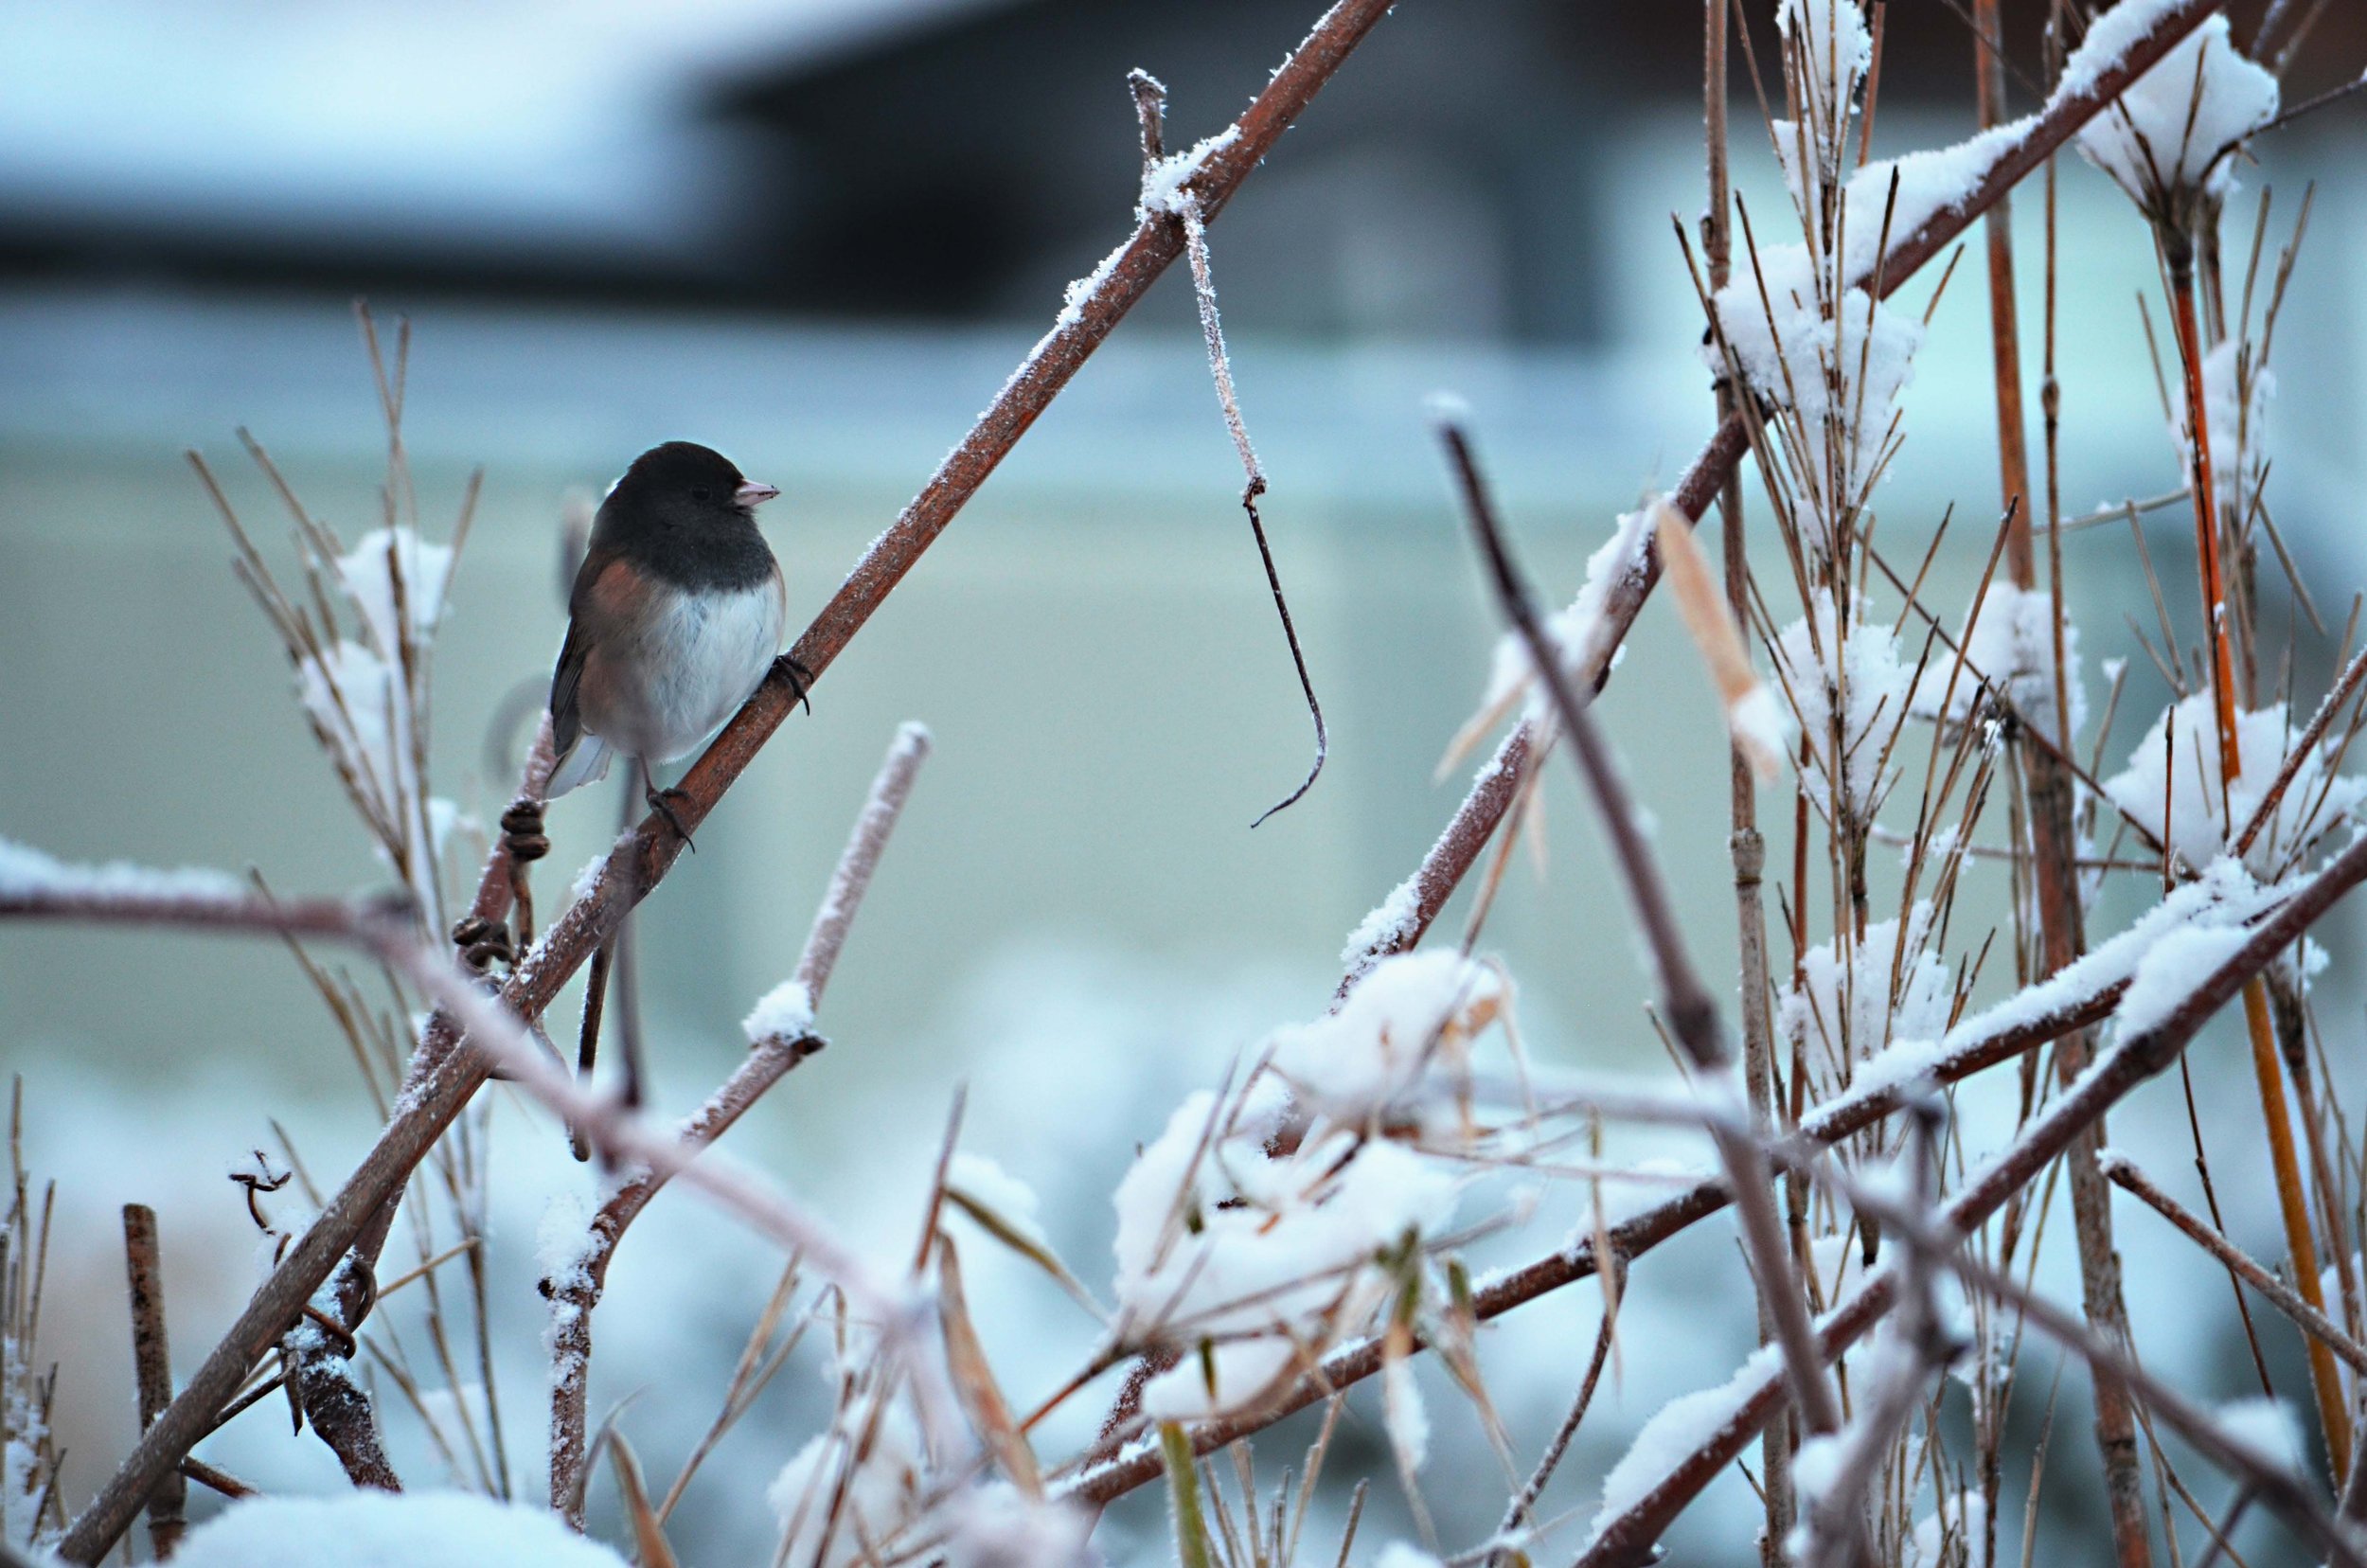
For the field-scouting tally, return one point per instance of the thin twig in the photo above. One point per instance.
(1459, 844)
(1685, 1001)
(771, 1058)
(2125, 1174)
(2116, 1073)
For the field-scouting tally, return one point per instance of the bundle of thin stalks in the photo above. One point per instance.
(32, 1512)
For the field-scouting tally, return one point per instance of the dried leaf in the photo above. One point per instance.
(1749, 707)
(974, 1380)
(649, 1537)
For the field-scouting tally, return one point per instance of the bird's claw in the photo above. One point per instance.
(658, 802)
(800, 680)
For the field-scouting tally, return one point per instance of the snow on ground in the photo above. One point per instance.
(1073, 1055)
(368, 1529)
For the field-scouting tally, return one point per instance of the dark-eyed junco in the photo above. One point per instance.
(674, 620)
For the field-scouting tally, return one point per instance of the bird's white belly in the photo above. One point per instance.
(687, 667)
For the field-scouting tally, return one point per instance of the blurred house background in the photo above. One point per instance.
(818, 234)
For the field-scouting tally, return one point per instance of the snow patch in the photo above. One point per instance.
(2168, 137)
(2176, 764)
(1412, 1013)
(30, 873)
(785, 1012)
(370, 1529)
(1852, 1007)
(2012, 645)
(2170, 972)
(1866, 685)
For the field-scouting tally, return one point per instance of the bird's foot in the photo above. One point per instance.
(660, 802)
(800, 680)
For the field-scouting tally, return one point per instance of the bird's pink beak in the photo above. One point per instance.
(752, 493)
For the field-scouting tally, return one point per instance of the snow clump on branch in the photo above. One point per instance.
(1254, 1261)
(1888, 988)
(1579, 631)
(2012, 647)
(1411, 1017)
(2177, 765)
(1833, 358)
(1862, 680)
(2170, 139)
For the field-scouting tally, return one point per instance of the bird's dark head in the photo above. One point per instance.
(683, 485)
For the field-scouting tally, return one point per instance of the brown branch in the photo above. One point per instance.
(1977, 1048)
(217, 1480)
(1835, 1521)
(2055, 843)
(1475, 821)
(1745, 846)
(770, 1059)
(2303, 748)
(2124, 1173)
(152, 1366)
(342, 1416)
(446, 1078)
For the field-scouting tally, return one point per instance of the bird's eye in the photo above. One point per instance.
(700, 492)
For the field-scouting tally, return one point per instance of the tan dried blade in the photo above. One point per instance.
(974, 1380)
(1686, 570)
(649, 1537)
(994, 1225)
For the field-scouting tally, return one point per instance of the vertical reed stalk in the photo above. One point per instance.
(2054, 850)
(2177, 254)
(1748, 848)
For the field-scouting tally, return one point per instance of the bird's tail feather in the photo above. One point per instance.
(586, 760)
